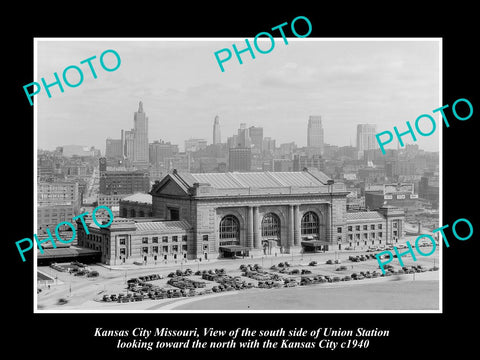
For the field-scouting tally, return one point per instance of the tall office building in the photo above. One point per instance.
(140, 142)
(366, 138)
(216, 131)
(243, 136)
(315, 134)
(128, 144)
(256, 137)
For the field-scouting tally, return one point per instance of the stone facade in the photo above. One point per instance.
(207, 216)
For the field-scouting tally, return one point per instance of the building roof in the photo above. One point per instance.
(241, 180)
(139, 198)
(363, 215)
(164, 226)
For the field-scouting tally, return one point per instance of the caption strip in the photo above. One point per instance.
(242, 338)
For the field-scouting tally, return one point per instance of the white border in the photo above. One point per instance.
(106, 311)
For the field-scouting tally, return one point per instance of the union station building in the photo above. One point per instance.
(212, 215)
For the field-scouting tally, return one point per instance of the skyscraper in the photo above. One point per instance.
(140, 142)
(256, 137)
(366, 138)
(315, 134)
(243, 136)
(216, 131)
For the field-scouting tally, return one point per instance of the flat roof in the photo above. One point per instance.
(363, 215)
(72, 251)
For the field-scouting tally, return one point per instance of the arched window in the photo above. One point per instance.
(310, 224)
(271, 225)
(132, 213)
(229, 230)
(124, 212)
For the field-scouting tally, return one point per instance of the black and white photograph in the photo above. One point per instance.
(260, 187)
(221, 180)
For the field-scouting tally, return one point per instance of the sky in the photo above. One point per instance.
(346, 82)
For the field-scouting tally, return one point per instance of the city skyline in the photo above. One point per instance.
(350, 82)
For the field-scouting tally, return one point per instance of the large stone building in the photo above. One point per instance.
(211, 215)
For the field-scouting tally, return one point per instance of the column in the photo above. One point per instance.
(250, 228)
(291, 225)
(297, 234)
(329, 231)
(256, 233)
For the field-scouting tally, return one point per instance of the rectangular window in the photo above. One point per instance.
(395, 232)
(372, 227)
(175, 238)
(350, 228)
(395, 225)
(174, 248)
(184, 238)
(165, 249)
(155, 239)
(365, 227)
(372, 235)
(205, 247)
(365, 235)
(339, 239)
(357, 227)
(184, 247)
(339, 230)
(350, 236)
(155, 249)
(380, 234)
(205, 237)
(122, 251)
(164, 238)
(144, 240)
(357, 236)
(379, 226)
(122, 241)
(145, 250)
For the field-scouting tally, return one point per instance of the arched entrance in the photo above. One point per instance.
(229, 236)
(271, 232)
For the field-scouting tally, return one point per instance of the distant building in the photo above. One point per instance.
(78, 150)
(217, 138)
(180, 161)
(160, 150)
(366, 138)
(243, 137)
(282, 165)
(140, 142)
(122, 181)
(129, 141)
(256, 137)
(268, 146)
(302, 161)
(56, 202)
(239, 159)
(315, 136)
(114, 149)
(192, 145)
(429, 189)
(399, 195)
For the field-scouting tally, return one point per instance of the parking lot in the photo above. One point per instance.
(155, 285)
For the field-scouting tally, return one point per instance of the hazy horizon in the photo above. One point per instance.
(181, 86)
